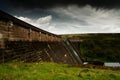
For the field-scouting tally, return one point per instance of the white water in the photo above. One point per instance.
(112, 64)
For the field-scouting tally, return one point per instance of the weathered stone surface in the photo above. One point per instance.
(1, 35)
(20, 41)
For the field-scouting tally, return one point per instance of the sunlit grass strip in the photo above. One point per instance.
(53, 71)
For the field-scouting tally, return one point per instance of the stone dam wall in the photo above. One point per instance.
(20, 41)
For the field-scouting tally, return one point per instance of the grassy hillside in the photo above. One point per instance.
(53, 71)
(99, 47)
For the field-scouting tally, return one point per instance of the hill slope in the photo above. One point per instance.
(99, 47)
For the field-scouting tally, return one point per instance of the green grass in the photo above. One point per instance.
(53, 71)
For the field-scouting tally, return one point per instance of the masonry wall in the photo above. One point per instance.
(19, 42)
(15, 32)
(35, 52)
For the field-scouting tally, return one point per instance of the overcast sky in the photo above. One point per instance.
(67, 17)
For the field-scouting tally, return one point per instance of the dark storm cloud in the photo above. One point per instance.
(29, 4)
(67, 16)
